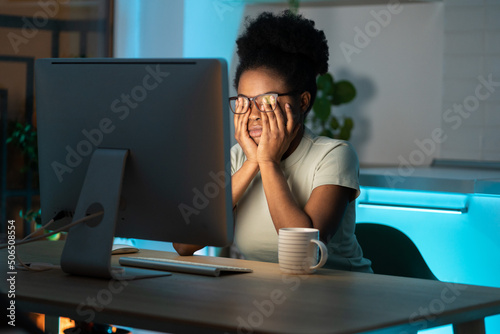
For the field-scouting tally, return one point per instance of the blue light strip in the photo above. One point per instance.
(457, 211)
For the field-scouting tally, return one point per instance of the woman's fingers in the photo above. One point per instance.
(282, 121)
(241, 113)
(241, 134)
(291, 125)
(266, 128)
(281, 118)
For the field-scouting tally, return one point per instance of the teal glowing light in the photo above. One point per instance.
(413, 208)
(457, 234)
(211, 28)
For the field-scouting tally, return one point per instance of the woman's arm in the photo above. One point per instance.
(324, 210)
(242, 178)
(325, 207)
(186, 249)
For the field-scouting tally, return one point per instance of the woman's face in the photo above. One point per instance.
(260, 81)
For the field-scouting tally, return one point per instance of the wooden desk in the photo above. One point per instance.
(265, 301)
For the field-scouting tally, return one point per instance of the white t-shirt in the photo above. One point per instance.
(317, 161)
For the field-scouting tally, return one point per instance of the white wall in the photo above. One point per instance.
(472, 50)
(148, 29)
(396, 66)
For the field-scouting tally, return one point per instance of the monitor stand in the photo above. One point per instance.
(87, 251)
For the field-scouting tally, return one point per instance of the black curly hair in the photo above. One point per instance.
(287, 44)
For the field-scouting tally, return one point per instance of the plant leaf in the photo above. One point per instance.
(348, 123)
(344, 93)
(322, 108)
(325, 84)
(334, 123)
(345, 133)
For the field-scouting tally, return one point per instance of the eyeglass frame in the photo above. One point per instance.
(250, 99)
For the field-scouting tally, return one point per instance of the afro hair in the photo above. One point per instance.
(286, 43)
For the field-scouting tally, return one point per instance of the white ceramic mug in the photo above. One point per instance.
(298, 250)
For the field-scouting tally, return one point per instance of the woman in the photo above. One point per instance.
(282, 174)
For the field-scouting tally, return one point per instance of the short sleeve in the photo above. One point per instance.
(339, 166)
(237, 158)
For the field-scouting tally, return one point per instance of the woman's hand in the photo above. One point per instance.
(241, 130)
(278, 131)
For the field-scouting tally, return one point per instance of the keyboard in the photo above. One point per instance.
(180, 266)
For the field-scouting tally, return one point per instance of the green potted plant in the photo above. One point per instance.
(332, 93)
(24, 136)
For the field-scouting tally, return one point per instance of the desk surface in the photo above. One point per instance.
(265, 301)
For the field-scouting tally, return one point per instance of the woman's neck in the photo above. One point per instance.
(295, 143)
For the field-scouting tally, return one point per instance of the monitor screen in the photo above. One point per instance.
(169, 116)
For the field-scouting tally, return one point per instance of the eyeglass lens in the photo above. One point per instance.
(264, 102)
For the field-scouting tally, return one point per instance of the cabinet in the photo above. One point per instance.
(452, 214)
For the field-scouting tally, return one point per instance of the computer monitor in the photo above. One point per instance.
(146, 141)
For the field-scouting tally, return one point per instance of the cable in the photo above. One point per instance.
(60, 215)
(27, 237)
(76, 222)
(38, 266)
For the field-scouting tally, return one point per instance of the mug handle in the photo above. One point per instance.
(323, 254)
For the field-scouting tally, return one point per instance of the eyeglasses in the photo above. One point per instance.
(264, 102)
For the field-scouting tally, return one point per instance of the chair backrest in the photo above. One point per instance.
(391, 251)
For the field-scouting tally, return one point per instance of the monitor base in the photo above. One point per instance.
(87, 251)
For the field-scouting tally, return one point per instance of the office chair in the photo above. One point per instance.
(391, 251)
